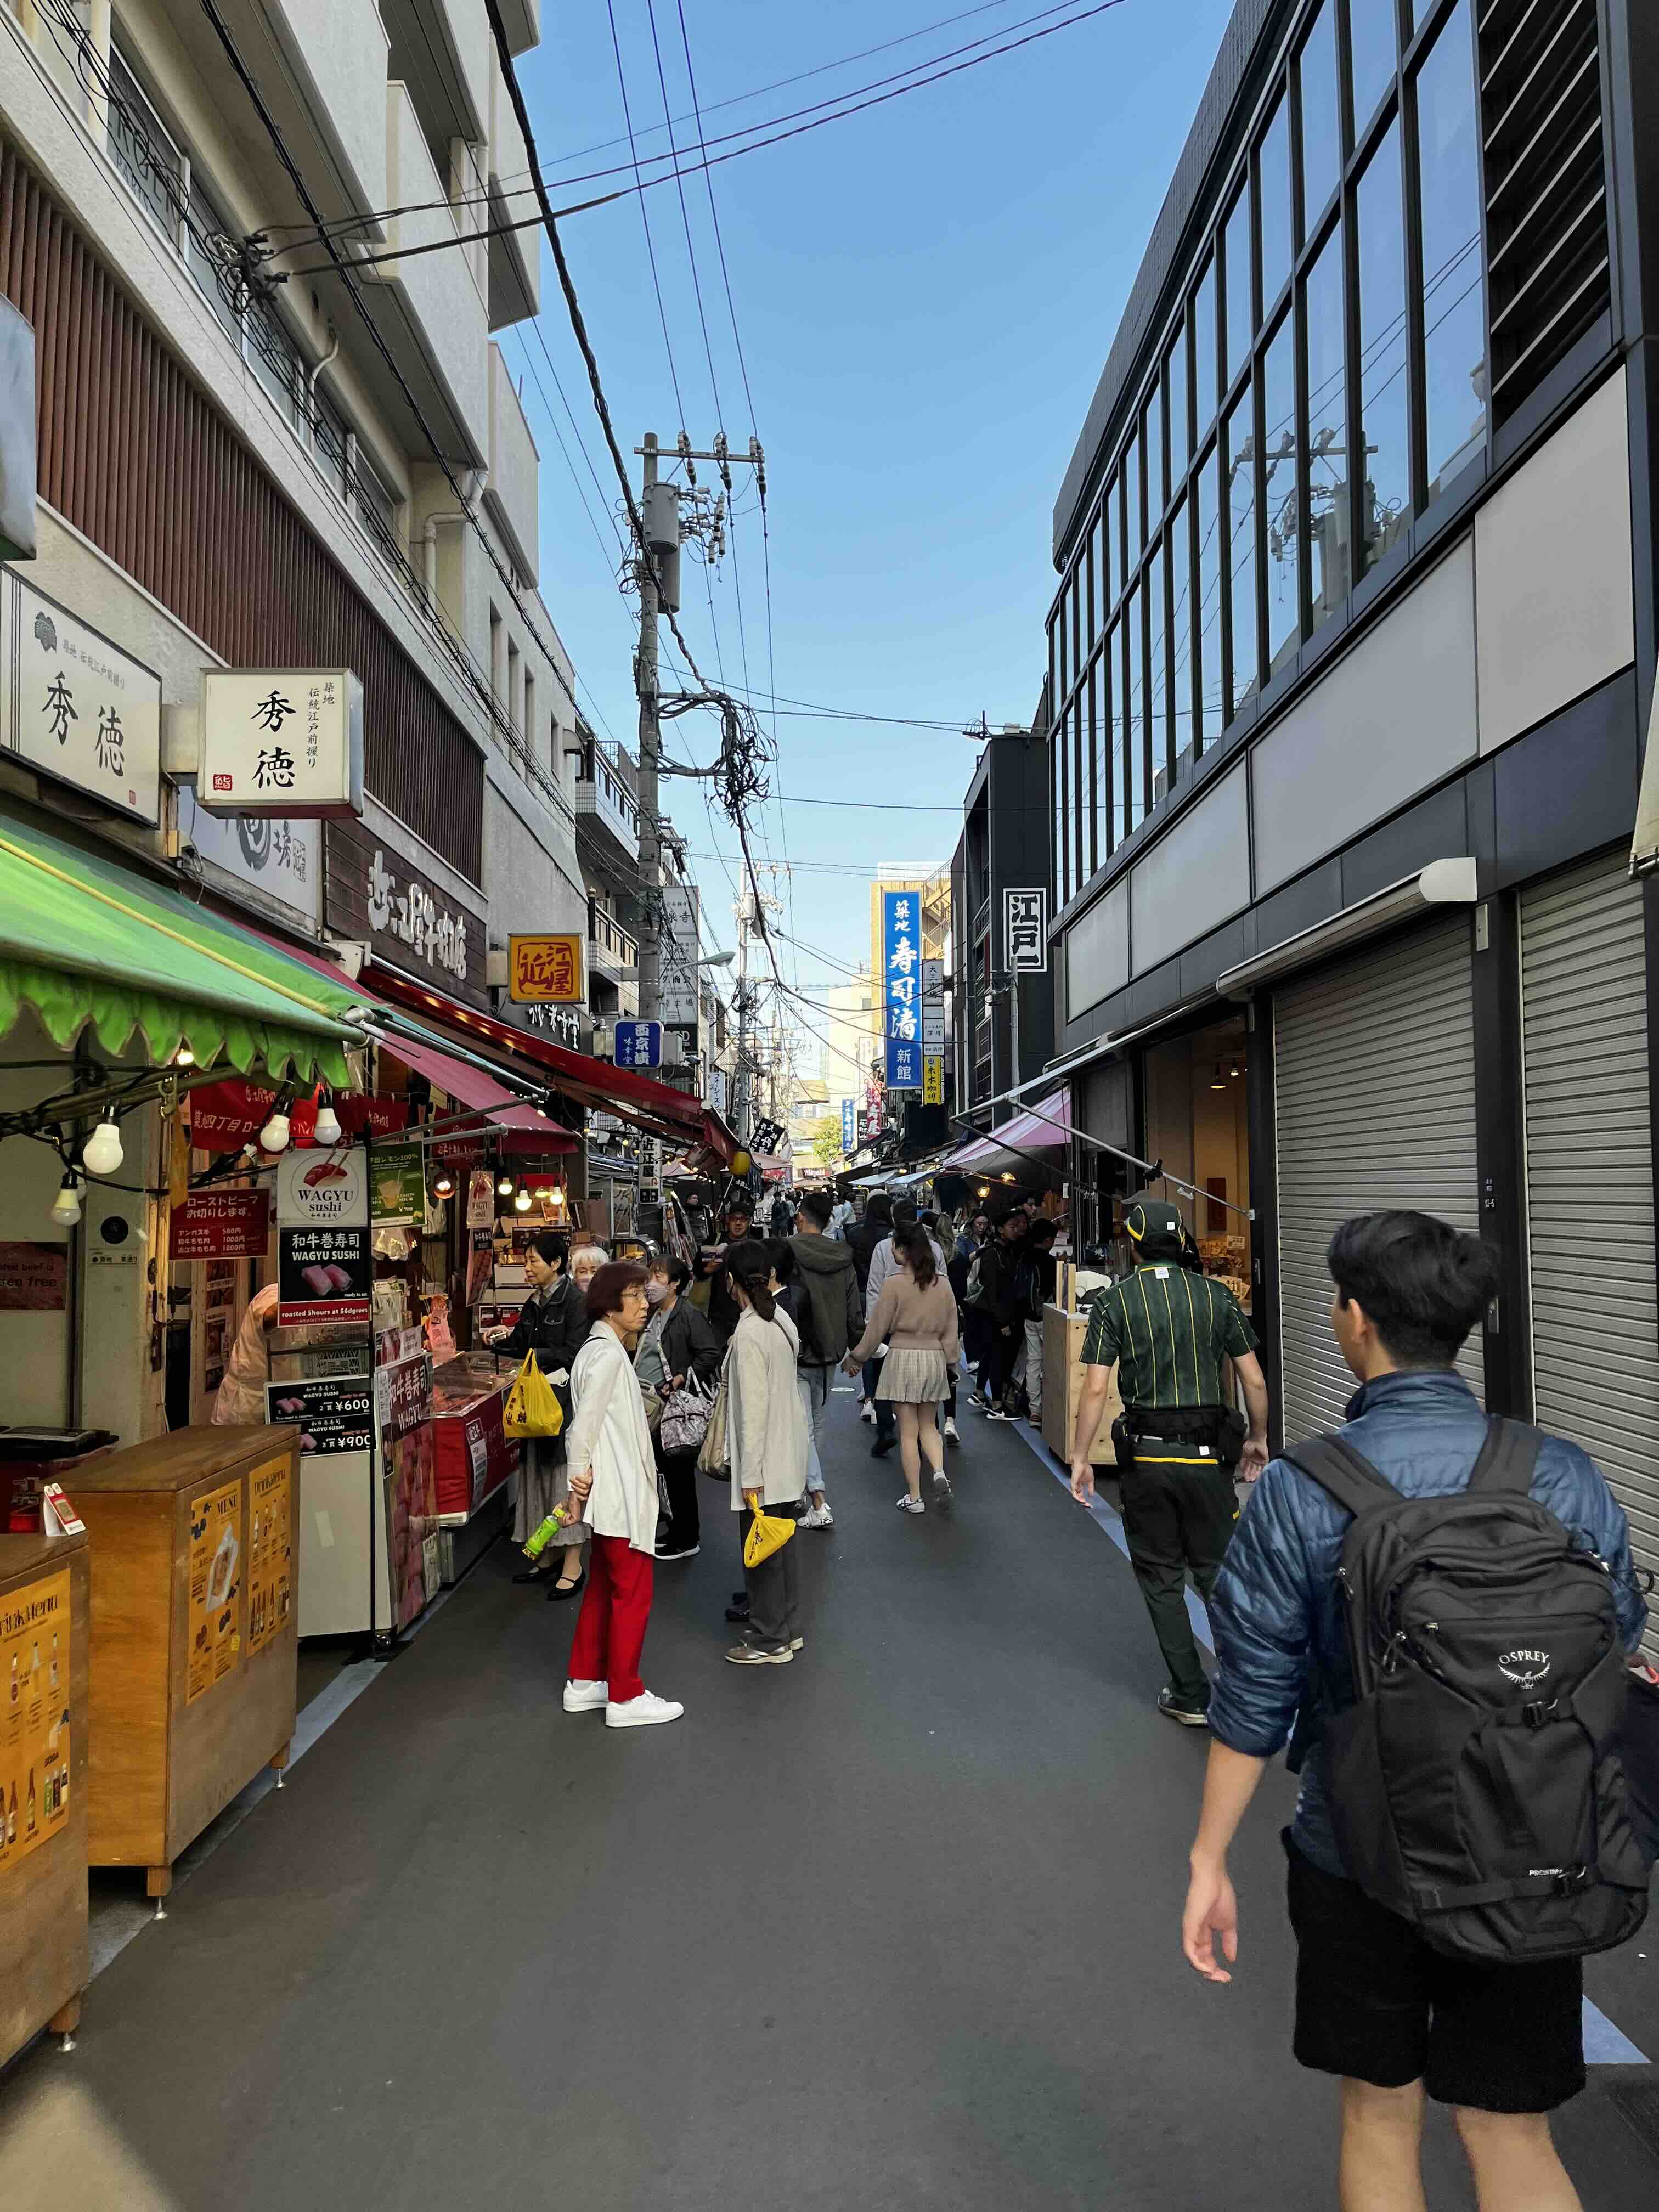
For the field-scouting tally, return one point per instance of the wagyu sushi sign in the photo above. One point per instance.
(325, 1271)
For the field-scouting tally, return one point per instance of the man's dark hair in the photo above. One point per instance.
(1424, 1284)
(1016, 1221)
(741, 1203)
(879, 1209)
(1044, 1231)
(819, 1205)
(782, 1259)
(904, 1213)
(552, 1250)
(671, 1264)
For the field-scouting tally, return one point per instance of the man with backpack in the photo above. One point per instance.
(1435, 1611)
(1035, 1278)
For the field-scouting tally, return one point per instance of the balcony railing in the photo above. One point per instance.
(613, 945)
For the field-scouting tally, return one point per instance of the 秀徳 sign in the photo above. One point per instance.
(282, 741)
(77, 708)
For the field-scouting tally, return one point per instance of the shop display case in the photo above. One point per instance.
(195, 1644)
(44, 1644)
(1063, 1332)
(475, 1460)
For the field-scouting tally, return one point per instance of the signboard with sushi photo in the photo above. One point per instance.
(325, 1265)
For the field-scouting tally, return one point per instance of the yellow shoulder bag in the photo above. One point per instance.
(768, 1533)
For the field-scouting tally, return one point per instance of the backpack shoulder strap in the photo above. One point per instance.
(1508, 1457)
(1342, 1473)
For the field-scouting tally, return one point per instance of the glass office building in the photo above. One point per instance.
(1350, 667)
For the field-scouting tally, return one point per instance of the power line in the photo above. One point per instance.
(650, 249)
(775, 137)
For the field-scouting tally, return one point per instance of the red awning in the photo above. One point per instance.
(524, 1128)
(674, 1115)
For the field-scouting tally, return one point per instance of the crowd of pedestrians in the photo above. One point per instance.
(1446, 1874)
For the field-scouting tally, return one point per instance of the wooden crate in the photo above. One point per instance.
(195, 1633)
(1062, 1387)
(43, 1965)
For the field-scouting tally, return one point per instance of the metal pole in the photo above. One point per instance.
(645, 681)
(742, 1100)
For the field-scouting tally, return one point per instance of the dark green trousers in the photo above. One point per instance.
(1176, 1517)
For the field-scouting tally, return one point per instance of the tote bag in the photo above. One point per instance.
(685, 1415)
(768, 1533)
(531, 1408)
(714, 1455)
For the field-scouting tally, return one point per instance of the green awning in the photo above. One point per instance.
(87, 942)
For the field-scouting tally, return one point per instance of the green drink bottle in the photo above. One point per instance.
(543, 1536)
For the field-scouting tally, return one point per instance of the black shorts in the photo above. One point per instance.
(1377, 2003)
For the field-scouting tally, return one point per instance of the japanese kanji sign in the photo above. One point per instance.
(901, 939)
(286, 741)
(75, 706)
(1025, 932)
(849, 1126)
(222, 1225)
(546, 970)
(323, 1263)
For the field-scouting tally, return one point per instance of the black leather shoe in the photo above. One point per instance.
(882, 1446)
(557, 1591)
(530, 1575)
(739, 1614)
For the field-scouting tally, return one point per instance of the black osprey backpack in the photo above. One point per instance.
(1475, 1782)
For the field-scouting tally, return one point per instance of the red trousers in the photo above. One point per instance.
(615, 1606)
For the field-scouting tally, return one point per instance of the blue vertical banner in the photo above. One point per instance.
(849, 1126)
(901, 938)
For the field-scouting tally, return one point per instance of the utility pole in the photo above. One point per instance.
(740, 1104)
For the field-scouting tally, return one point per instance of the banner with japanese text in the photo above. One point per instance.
(901, 939)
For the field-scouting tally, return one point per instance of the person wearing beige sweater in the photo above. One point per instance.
(916, 1316)
(766, 1430)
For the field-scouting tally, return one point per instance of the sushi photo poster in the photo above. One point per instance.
(325, 1266)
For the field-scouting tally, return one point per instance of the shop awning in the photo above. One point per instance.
(673, 1114)
(523, 1128)
(87, 943)
(1044, 1127)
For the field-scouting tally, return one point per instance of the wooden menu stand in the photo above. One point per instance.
(195, 1634)
(44, 1629)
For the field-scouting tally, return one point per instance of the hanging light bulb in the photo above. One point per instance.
(443, 1184)
(521, 1199)
(66, 1206)
(273, 1138)
(329, 1131)
(102, 1154)
(184, 1057)
(504, 1187)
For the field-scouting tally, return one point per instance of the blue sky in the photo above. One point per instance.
(925, 295)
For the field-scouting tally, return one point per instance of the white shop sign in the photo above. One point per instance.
(285, 741)
(76, 706)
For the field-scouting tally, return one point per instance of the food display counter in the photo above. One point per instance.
(44, 1645)
(476, 1461)
(195, 1642)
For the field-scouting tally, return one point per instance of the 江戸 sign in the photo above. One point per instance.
(77, 708)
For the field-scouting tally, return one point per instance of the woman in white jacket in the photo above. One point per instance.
(767, 1433)
(613, 1486)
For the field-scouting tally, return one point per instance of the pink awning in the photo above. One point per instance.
(524, 1129)
(1044, 1127)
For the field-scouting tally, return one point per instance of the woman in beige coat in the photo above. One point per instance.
(766, 1431)
(916, 1316)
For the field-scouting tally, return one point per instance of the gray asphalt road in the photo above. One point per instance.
(893, 1926)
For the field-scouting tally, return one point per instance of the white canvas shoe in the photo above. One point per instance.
(586, 1696)
(646, 1711)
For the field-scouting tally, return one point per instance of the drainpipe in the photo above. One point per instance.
(311, 389)
(472, 481)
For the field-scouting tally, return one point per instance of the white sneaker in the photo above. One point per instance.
(586, 1696)
(908, 1505)
(646, 1711)
(818, 1517)
(867, 1411)
(951, 1435)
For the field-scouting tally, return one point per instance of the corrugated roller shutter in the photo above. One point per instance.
(1374, 1077)
(1589, 1182)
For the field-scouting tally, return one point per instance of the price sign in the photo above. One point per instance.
(335, 1415)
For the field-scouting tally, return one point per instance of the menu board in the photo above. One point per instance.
(270, 1553)
(335, 1415)
(215, 1619)
(323, 1264)
(397, 1186)
(34, 1734)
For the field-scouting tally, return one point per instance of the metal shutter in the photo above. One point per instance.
(1589, 1180)
(1374, 1075)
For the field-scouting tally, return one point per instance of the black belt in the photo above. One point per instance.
(1197, 1436)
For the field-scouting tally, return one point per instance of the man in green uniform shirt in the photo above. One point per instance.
(1168, 1330)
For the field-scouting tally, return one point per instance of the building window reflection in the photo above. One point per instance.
(1454, 280)
(1327, 448)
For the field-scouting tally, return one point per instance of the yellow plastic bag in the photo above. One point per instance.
(768, 1533)
(533, 1409)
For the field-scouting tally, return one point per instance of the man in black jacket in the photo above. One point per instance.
(826, 1270)
(997, 1302)
(723, 1307)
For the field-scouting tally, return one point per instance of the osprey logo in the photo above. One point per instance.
(1527, 1668)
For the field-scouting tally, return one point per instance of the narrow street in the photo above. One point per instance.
(894, 1927)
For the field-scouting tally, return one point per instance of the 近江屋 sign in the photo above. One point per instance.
(325, 1271)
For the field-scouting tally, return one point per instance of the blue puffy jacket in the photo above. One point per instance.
(1276, 1611)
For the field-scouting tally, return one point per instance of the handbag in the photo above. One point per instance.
(768, 1533)
(685, 1415)
(531, 1409)
(715, 1454)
